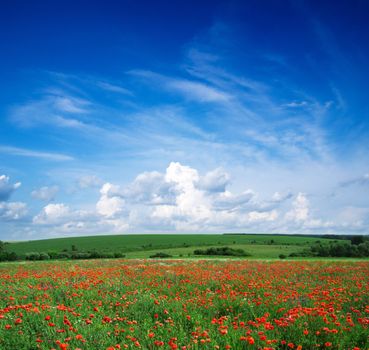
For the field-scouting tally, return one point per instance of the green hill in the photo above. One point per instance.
(142, 246)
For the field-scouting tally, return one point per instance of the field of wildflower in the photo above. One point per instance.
(193, 304)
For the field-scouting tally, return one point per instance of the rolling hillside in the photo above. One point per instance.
(178, 245)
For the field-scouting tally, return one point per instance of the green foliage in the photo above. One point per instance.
(341, 250)
(160, 255)
(304, 253)
(6, 256)
(44, 256)
(356, 240)
(224, 251)
(282, 256)
(33, 256)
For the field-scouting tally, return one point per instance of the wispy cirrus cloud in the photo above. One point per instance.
(249, 112)
(195, 90)
(23, 152)
(198, 91)
(71, 105)
(113, 88)
(52, 108)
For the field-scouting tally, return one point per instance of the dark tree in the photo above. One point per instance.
(356, 240)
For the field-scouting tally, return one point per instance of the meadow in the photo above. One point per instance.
(184, 304)
(178, 245)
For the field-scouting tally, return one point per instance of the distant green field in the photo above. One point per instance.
(258, 251)
(178, 245)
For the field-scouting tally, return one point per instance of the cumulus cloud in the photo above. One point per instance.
(300, 209)
(279, 197)
(230, 201)
(151, 188)
(110, 203)
(214, 181)
(6, 188)
(263, 216)
(60, 219)
(191, 203)
(180, 199)
(12, 210)
(300, 216)
(45, 193)
(52, 214)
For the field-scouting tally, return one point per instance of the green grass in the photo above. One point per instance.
(258, 251)
(178, 245)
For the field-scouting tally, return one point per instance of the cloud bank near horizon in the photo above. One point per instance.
(179, 199)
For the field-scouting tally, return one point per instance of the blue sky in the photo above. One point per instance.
(209, 116)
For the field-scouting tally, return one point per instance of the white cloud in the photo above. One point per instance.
(45, 193)
(190, 89)
(279, 197)
(110, 203)
(16, 151)
(300, 209)
(191, 203)
(296, 104)
(263, 216)
(203, 203)
(151, 188)
(110, 190)
(88, 181)
(113, 88)
(10, 211)
(300, 217)
(6, 189)
(59, 219)
(110, 206)
(53, 214)
(230, 201)
(182, 200)
(70, 104)
(215, 181)
(198, 91)
(183, 176)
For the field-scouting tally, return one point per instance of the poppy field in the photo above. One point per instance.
(192, 304)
